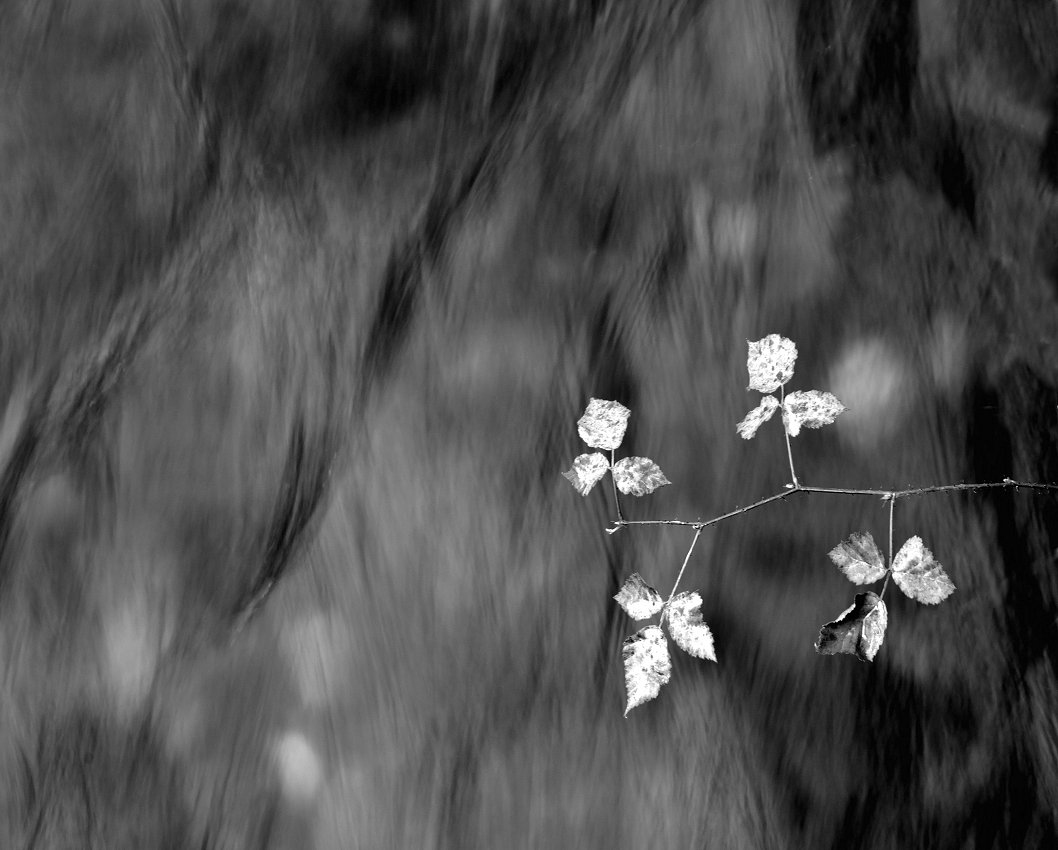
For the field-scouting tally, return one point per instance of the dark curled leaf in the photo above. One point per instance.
(859, 630)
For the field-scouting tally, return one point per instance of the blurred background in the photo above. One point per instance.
(299, 305)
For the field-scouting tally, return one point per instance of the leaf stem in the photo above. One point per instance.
(686, 560)
(892, 504)
(786, 435)
(613, 481)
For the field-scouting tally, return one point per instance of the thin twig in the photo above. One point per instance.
(707, 523)
(613, 481)
(885, 584)
(686, 560)
(801, 488)
(786, 435)
(940, 488)
(892, 504)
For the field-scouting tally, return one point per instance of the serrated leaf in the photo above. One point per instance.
(687, 628)
(809, 409)
(760, 414)
(586, 471)
(638, 599)
(859, 559)
(647, 666)
(859, 630)
(603, 424)
(637, 476)
(919, 576)
(770, 363)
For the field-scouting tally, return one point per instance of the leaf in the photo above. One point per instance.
(760, 414)
(809, 408)
(687, 628)
(770, 363)
(586, 471)
(859, 630)
(859, 559)
(919, 576)
(638, 599)
(603, 424)
(647, 665)
(637, 476)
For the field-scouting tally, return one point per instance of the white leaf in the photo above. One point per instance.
(760, 414)
(809, 408)
(638, 599)
(919, 576)
(859, 559)
(647, 665)
(770, 363)
(603, 424)
(859, 630)
(687, 628)
(586, 471)
(637, 476)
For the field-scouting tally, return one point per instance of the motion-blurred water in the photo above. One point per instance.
(299, 306)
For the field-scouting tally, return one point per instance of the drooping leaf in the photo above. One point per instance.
(859, 630)
(638, 599)
(809, 409)
(760, 414)
(637, 476)
(919, 576)
(859, 559)
(586, 471)
(770, 363)
(647, 665)
(603, 424)
(687, 628)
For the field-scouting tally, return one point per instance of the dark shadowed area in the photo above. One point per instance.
(299, 305)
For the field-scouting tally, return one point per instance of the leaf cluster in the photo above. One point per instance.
(646, 653)
(603, 426)
(859, 630)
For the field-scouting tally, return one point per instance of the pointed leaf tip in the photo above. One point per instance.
(603, 424)
(859, 630)
(638, 476)
(647, 665)
(638, 599)
(919, 576)
(770, 362)
(859, 558)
